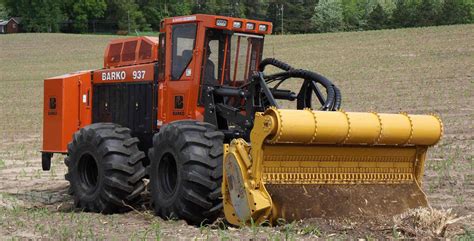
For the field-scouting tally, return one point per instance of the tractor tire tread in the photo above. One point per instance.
(120, 160)
(200, 148)
(200, 179)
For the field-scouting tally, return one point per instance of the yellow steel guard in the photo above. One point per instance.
(307, 158)
(338, 127)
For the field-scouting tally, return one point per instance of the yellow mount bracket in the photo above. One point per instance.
(308, 150)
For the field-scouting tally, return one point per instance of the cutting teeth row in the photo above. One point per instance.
(337, 178)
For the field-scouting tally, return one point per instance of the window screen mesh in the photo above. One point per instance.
(114, 52)
(128, 53)
(145, 51)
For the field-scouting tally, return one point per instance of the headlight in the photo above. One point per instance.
(221, 22)
(237, 24)
(250, 26)
(262, 28)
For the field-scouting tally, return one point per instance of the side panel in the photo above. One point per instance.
(127, 104)
(66, 109)
(134, 73)
(53, 115)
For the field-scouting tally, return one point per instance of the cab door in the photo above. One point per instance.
(179, 97)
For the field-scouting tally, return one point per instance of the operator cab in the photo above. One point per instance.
(230, 58)
(207, 51)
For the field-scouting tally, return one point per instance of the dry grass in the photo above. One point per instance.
(425, 222)
(418, 70)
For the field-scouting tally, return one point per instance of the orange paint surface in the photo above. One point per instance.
(67, 108)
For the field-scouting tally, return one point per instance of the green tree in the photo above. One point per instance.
(356, 13)
(37, 15)
(83, 11)
(13, 7)
(426, 13)
(404, 14)
(3, 11)
(153, 12)
(274, 15)
(180, 8)
(127, 15)
(237, 8)
(205, 6)
(256, 9)
(299, 16)
(351, 14)
(328, 16)
(296, 15)
(456, 12)
(378, 18)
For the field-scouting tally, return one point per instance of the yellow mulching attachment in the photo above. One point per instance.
(304, 164)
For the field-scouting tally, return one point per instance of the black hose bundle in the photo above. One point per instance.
(275, 62)
(333, 94)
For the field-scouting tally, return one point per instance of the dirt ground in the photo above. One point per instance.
(422, 70)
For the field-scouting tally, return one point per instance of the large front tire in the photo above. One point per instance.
(105, 168)
(186, 171)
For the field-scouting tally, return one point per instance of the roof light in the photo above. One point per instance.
(221, 22)
(237, 24)
(262, 28)
(250, 26)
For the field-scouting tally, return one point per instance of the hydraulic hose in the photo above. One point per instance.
(331, 93)
(333, 98)
(275, 62)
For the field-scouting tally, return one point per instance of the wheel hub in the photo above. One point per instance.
(88, 173)
(168, 174)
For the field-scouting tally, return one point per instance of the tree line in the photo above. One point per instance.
(295, 16)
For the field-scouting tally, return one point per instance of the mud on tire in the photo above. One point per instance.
(186, 171)
(105, 168)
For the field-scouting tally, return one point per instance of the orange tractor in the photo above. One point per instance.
(194, 112)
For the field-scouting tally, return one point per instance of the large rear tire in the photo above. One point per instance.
(186, 171)
(105, 168)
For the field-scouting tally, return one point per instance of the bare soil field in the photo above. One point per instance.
(420, 70)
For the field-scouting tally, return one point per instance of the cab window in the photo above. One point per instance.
(229, 58)
(183, 42)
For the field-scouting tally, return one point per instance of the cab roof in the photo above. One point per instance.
(222, 22)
